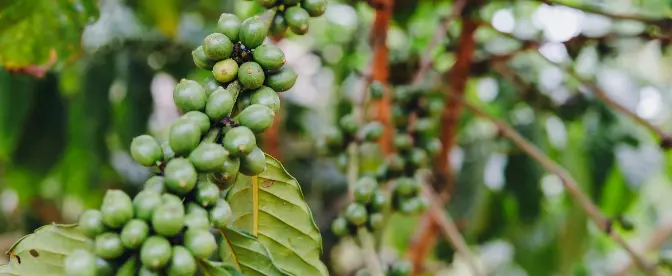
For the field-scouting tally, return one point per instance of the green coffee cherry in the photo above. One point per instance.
(229, 25)
(197, 221)
(333, 138)
(258, 118)
(108, 245)
(381, 172)
(198, 118)
(426, 128)
(418, 157)
(168, 153)
(269, 57)
(210, 84)
(103, 267)
(168, 220)
(155, 252)
(134, 233)
(403, 141)
(91, 223)
(171, 199)
(220, 104)
(189, 96)
(253, 163)
(201, 243)
(227, 173)
(376, 221)
(243, 101)
(193, 208)
(372, 131)
(217, 46)
(182, 262)
(356, 214)
(251, 75)
(155, 183)
(184, 136)
(117, 209)
(406, 186)
(252, 32)
(413, 205)
(145, 202)
(239, 141)
(340, 227)
(433, 147)
(146, 151)
(297, 19)
(180, 175)
(281, 80)
(220, 215)
(364, 189)
(265, 96)
(206, 194)
(348, 124)
(208, 157)
(376, 89)
(399, 116)
(314, 7)
(395, 163)
(380, 202)
(279, 25)
(435, 107)
(401, 268)
(80, 262)
(200, 60)
(225, 70)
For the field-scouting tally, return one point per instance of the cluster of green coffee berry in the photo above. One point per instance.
(155, 226)
(167, 225)
(368, 209)
(236, 52)
(399, 268)
(416, 142)
(293, 14)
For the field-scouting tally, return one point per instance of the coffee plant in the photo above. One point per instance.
(448, 137)
(206, 210)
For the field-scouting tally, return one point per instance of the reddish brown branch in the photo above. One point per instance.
(458, 76)
(380, 67)
(568, 182)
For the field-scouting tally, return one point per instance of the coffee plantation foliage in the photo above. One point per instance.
(289, 137)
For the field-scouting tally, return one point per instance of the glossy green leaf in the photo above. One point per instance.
(211, 268)
(280, 218)
(44, 251)
(244, 251)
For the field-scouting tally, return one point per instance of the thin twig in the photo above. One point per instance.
(372, 261)
(658, 238)
(439, 35)
(446, 224)
(602, 95)
(594, 10)
(568, 182)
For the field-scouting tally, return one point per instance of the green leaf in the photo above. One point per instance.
(273, 208)
(35, 31)
(44, 251)
(247, 254)
(207, 267)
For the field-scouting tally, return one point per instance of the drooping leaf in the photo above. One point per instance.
(207, 267)
(244, 251)
(272, 207)
(44, 251)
